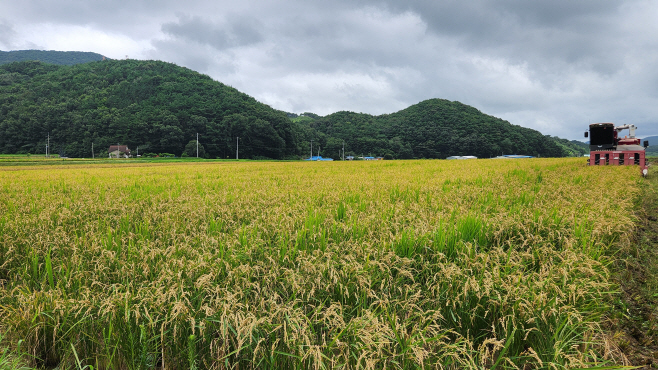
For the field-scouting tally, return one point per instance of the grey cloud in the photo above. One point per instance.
(195, 56)
(356, 40)
(545, 33)
(477, 22)
(551, 65)
(7, 34)
(135, 17)
(558, 44)
(238, 31)
(558, 12)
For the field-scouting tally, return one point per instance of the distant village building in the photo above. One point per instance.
(462, 157)
(514, 156)
(318, 158)
(119, 151)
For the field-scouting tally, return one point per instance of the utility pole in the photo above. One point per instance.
(311, 158)
(237, 146)
(118, 150)
(343, 149)
(47, 146)
(92, 151)
(197, 145)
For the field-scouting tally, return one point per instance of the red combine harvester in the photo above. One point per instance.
(606, 148)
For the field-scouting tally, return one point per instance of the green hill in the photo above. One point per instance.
(157, 106)
(652, 150)
(50, 56)
(434, 128)
(653, 140)
(573, 148)
(160, 107)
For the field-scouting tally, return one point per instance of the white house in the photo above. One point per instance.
(119, 151)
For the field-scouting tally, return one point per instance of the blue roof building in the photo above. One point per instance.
(318, 158)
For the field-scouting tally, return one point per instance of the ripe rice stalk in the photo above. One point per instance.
(396, 264)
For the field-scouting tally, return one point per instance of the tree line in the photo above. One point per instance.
(434, 128)
(160, 107)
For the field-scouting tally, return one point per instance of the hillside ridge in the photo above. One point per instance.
(159, 107)
(433, 128)
(50, 56)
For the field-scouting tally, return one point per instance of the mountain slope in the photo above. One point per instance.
(160, 107)
(50, 56)
(652, 150)
(157, 106)
(573, 148)
(433, 128)
(653, 140)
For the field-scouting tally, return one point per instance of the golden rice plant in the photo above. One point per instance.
(358, 265)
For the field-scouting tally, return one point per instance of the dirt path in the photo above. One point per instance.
(633, 325)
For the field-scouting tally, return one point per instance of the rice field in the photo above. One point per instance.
(475, 264)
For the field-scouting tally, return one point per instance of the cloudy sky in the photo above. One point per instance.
(554, 66)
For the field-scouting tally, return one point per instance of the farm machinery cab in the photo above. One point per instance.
(607, 148)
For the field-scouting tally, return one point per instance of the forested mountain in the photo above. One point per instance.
(434, 128)
(160, 107)
(49, 56)
(573, 148)
(157, 106)
(652, 150)
(653, 140)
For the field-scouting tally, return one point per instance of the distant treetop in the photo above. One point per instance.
(50, 56)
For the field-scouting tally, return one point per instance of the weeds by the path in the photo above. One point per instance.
(634, 321)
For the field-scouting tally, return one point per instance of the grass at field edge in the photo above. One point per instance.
(633, 323)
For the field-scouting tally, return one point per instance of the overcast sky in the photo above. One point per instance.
(554, 66)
